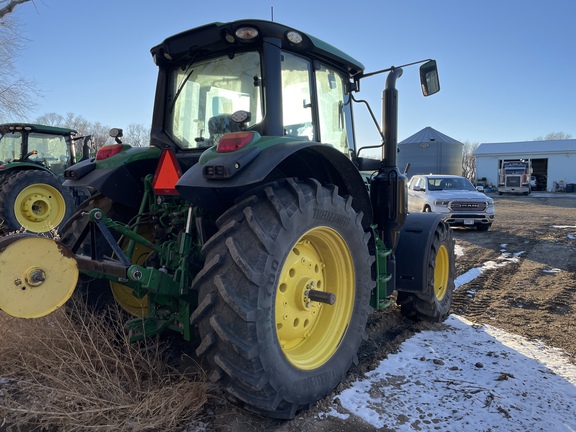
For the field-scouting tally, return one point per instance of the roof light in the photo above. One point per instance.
(294, 37)
(229, 38)
(167, 174)
(108, 150)
(234, 141)
(246, 33)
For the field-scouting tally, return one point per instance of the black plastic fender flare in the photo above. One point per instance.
(411, 262)
(122, 183)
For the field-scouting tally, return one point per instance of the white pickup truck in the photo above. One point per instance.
(451, 195)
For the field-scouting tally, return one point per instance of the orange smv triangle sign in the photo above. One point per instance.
(167, 174)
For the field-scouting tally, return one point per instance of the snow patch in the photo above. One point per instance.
(467, 375)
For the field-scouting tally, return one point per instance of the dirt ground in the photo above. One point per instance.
(533, 296)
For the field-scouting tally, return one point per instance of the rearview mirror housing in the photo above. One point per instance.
(429, 78)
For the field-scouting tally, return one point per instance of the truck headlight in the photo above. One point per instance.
(441, 203)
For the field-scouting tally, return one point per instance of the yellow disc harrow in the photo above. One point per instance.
(37, 275)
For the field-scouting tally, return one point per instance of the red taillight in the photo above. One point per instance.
(234, 141)
(108, 150)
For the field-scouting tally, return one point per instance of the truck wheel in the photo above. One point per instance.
(433, 304)
(272, 346)
(35, 201)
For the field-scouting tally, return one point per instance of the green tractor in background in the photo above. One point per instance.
(33, 159)
(252, 225)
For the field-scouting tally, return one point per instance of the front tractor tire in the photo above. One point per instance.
(433, 302)
(35, 201)
(272, 346)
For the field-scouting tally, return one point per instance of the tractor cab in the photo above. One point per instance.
(45, 146)
(290, 84)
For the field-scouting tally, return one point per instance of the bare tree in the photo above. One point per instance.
(469, 161)
(17, 94)
(70, 120)
(100, 133)
(7, 6)
(137, 135)
(554, 136)
(51, 119)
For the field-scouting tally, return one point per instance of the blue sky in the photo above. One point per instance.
(507, 68)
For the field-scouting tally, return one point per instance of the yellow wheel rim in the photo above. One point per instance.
(37, 275)
(310, 332)
(124, 295)
(39, 207)
(441, 273)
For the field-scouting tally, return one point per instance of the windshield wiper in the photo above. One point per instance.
(182, 84)
(184, 81)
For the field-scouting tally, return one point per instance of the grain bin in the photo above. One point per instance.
(430, 152)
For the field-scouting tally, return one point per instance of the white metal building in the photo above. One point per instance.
(553, 162)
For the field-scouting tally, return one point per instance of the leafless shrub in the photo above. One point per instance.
(85, 375)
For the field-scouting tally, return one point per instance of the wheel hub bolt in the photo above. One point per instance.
(136, 274)
(36, 277)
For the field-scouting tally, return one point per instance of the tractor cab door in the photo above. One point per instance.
(315, 102)
(10, 147)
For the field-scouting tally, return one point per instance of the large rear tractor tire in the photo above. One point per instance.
(35, 201)
(433, 303)
(272, 346)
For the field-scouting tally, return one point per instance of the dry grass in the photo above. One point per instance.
(84, 376)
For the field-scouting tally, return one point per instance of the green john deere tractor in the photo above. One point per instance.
(32, 162)
(252, 225)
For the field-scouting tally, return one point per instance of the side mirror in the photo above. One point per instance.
(480, 188)
(429, 78)
(416, 188)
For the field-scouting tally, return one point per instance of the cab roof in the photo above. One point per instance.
(11, 127)
(218, 37)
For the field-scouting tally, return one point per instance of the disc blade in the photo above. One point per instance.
(37, 275)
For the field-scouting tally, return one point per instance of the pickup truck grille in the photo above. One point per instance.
(467, 206)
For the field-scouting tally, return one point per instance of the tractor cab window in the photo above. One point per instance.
(296, 97)
(10, 147)
(333, 108)
(203, 96)
(52, 151)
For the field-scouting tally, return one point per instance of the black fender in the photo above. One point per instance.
(22, 166)
(411, 262)
(122, 183)
(303, 159)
